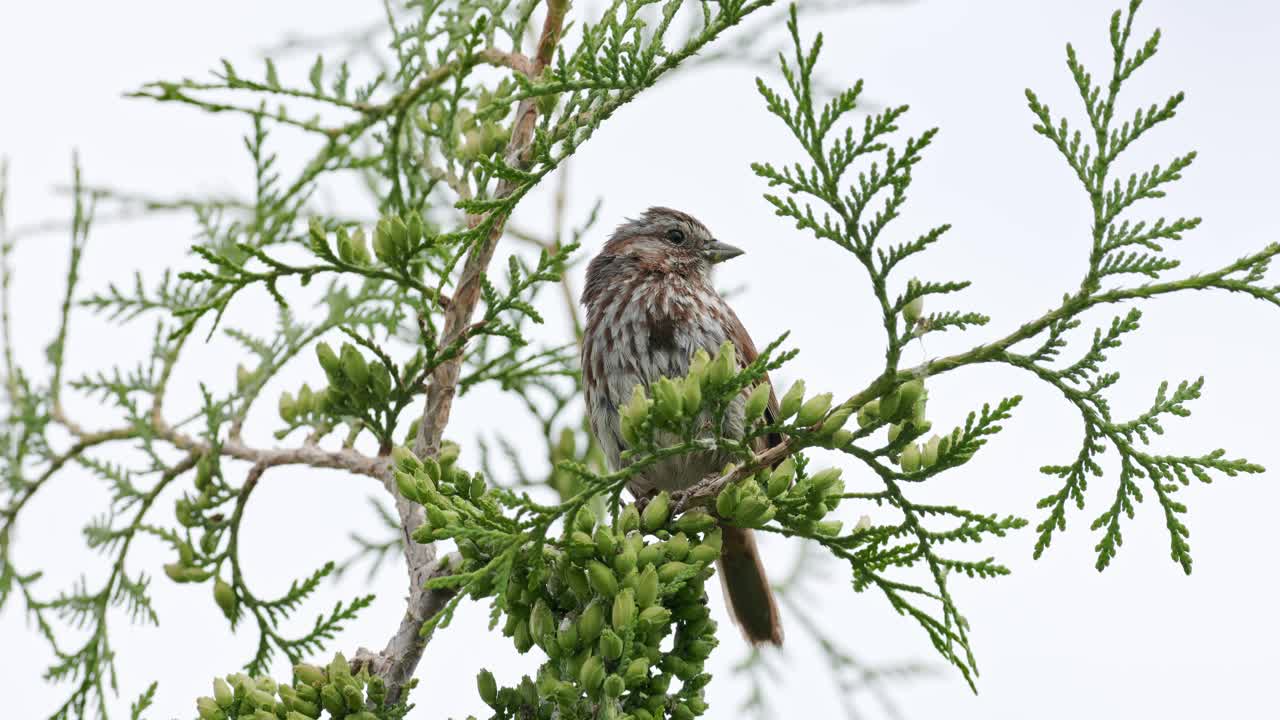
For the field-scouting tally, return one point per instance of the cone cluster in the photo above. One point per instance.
(334, 689)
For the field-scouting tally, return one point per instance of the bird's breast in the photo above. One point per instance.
(645, 331)
(653, 332)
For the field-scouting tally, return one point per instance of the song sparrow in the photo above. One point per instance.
(650, 307)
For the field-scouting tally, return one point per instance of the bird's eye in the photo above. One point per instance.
(675, 236)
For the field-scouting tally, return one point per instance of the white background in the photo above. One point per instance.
(1054, 640)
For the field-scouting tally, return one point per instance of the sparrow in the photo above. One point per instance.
(650, 305)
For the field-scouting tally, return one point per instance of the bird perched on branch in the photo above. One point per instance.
(650, 306)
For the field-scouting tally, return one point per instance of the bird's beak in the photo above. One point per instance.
(717, 252)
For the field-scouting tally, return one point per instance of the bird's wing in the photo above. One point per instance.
(746, 586)
(747, 354)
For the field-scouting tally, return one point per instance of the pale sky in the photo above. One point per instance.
(1056, 639)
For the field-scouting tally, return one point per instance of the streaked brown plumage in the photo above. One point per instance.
(650, 307)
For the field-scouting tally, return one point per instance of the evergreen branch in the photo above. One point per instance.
(446, 156)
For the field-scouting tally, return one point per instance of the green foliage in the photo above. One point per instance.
(858, 206)
(1125, 247)
(336, 691)
(854, 680)
(854, 217)
(598, 598)
(405, 316)
(447, 153)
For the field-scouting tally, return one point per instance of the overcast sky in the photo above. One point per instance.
(1054, 640)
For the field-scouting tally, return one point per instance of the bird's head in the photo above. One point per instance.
(662, 241)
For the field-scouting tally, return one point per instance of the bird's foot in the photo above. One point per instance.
(642, 501)
(701, 493)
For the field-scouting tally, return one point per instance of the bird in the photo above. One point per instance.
(650, 306)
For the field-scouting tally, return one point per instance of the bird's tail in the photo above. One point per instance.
(746, 589)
